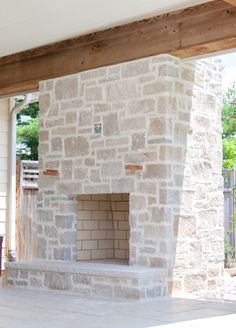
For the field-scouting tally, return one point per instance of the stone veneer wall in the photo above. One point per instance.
(162, 115)
(103, 227)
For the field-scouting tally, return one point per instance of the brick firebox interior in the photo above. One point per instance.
(103, 227)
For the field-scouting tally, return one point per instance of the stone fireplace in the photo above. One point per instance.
(130, 187)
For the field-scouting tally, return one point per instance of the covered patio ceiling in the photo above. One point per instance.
(31, 23)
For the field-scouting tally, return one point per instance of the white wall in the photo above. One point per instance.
(4, 167)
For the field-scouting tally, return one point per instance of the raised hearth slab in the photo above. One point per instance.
(113, 279)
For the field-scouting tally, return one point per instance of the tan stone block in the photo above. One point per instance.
(170, 153)
(157, 87)
(66, 88)
(85, 118)
(159, 126)
(158, 171)
(142, 106)
(110, 126)
(64, 131)
(137, 203)
(101, 188)
(44, 103)
(147, 187)
(138, 141)
(76, 146)
(43, 148)
(195, 282)
(80, 173)
(112, 168)
(43, 135)
(71, 117)
(93, 94)
(106, 154)
(188, 74)
(161, 214)
(93, 74)
(66, 167)
(123, 185)
(135, 68)
(64, 221)
(71, 104)
(121, 90)
(169, 70)
(170, 197)
(117, 141)
(131, 124)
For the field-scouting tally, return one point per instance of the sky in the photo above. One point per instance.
(229, 69)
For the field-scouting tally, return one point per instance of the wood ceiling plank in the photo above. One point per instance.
(185, 33)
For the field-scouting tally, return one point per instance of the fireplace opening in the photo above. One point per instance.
(103, 227)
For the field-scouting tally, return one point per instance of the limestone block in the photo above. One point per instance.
(121, 90)
(110, 125)
(66, 167)
(85, 118)
(76, 146)
(131, 124)
(58, 281)
(112, 168)
(66, 88)
(135, 68)
(64, 221)
(157, 87)
(141, 106)
(44, 103)
(159, 171)
(138, 141)
(93, 94)
(56, 144)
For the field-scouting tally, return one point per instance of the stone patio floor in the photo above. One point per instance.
(27, 308)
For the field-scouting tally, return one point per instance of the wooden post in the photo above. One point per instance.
(18, 200)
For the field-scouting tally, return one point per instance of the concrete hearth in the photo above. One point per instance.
(104, 278)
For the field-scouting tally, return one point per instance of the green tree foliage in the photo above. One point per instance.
(229, 128)
(27, 134)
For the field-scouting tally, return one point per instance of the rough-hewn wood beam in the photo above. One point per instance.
(232, 2)
(193, 31)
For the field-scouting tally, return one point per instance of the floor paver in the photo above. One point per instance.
(28, 308)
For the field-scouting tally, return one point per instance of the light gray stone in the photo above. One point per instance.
(76, 146)
(66, 88)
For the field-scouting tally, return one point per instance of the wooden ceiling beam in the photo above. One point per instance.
(232, 2)
(198, 30)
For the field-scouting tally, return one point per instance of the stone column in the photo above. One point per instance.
(198, 219)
